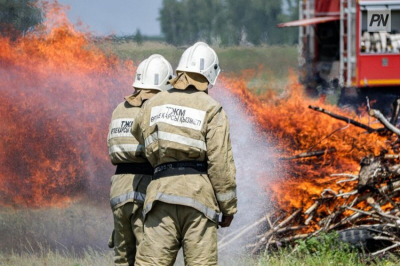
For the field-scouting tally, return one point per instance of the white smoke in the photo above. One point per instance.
(254, 159)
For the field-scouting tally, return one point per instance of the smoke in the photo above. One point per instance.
(254, 159)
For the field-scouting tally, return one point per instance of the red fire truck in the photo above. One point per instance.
(336, 46)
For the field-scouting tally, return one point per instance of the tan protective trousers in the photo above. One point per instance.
(128, 226)
(168, 227)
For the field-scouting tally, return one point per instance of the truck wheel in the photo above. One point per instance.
(362, 239)
(357, 237)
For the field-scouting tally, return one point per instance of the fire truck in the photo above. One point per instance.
(336, 49)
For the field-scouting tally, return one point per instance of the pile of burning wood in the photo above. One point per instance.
(367, 210)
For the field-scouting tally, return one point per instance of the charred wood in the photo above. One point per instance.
(343, 118)
(309, 154)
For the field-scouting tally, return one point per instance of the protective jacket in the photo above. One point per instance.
(188, 125)
(127, 153)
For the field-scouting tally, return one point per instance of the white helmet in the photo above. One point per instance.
(154, 73)
(202, 59)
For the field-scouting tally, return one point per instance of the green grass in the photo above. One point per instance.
(275, 60)
(286, 258)
(323, 250)
(264, 67)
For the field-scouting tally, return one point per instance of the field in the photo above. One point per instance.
(311, 253)
(263, 67)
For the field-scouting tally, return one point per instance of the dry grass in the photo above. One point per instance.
(73, 235)
(47, 257)
(76, 227)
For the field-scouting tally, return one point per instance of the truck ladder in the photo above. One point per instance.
(307, 37)
(347, 42)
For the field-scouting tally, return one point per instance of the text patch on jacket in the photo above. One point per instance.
(177, 116)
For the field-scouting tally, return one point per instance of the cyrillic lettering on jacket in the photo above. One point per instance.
(177, 116)
(121, 128)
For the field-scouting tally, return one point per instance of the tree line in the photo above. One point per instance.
(183, 22)
(228, 22)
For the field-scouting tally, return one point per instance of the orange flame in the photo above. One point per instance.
(57, 93)
(287, 122)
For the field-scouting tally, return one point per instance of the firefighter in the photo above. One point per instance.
(186, 137)
(133, 173)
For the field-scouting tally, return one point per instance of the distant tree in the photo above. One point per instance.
(186, 21)
(290, 35)
(138, 38)
(228, 22)
(172, 19)
(257, 19)
(18, 16)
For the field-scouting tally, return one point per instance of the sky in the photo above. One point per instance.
(116, 16)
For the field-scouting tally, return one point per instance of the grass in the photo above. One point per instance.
(285, 258)
(282, 257)
(47, 257)
(264, 67)
(76, 227)
(322, 251)
(70, 235)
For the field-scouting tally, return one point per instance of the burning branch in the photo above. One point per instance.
(343, 118)
(309, 154)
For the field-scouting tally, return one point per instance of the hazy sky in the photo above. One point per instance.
(116, 16)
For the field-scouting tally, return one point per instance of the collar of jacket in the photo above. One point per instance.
(186, 79)
(140, 96)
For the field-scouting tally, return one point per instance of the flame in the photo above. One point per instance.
(286, 121)
(57, 93)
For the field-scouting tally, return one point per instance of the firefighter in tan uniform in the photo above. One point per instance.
(186, 137)
(134, 172)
